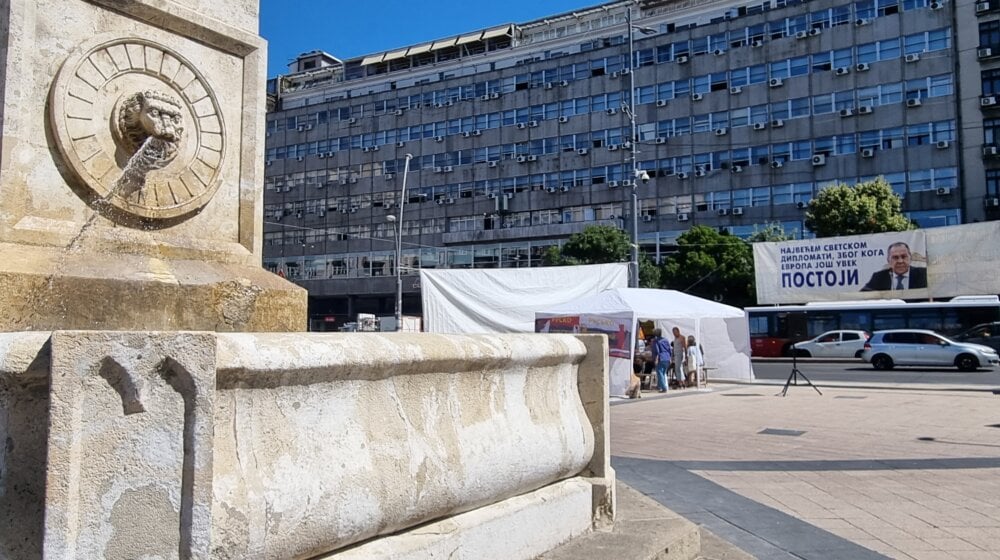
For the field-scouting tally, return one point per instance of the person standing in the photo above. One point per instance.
(661, 358)
(695, 362)
(680, 353)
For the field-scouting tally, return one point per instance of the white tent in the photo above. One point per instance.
(497, 300)
(722, 331)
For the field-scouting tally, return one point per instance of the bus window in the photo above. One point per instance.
(819, 323)
(758, 325)
(889, 320)
(928, 319)
(856, 320)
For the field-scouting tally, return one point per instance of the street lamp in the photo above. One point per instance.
(397, 221)
(637, 174)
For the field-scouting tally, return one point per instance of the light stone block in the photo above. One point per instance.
(96, 198)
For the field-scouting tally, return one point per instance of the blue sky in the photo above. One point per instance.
(350, 28)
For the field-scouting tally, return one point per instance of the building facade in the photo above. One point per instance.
(521, 135)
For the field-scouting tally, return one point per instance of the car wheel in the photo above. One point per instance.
(882, 362)
(967, 362)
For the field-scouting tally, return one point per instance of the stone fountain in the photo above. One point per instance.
(157, 399)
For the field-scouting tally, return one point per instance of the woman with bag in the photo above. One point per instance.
(694, 364)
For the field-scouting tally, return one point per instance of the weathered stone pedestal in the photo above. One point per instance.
(205, 445)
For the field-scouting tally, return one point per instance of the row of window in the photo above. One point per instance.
(867, 53)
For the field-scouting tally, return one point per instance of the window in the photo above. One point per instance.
(989, 33)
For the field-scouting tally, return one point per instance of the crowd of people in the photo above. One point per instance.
(677, 362)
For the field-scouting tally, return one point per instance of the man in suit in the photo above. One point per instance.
(900, 275)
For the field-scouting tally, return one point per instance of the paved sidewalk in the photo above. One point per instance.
(853, 474)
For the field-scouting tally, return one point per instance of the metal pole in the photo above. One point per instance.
(399, 247)
(634, 263)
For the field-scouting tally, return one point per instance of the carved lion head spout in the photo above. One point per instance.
(151, 114)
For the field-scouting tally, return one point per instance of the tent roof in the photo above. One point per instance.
(646, 304)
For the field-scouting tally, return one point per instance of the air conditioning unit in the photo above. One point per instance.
(661, 102)
(818, 159)
(300, 128)
(300, 158)
(847, 112)
(660, 140)
(992, 202)
(522, 159)
(352, 180)
(801, 204)
(329, 154)
(564, 83)
(398, 112)
(935, 5)
(439, 169)
(449, 201)
(615, 74)
(718, 52)
(613, 184)
(867, 152)
(738, 211)
(842, 70)
(548, 85)
(439, 138)
(389, 176)
(491, 164)
(612, 147)
(440, 201)
(611, 111)
(989, 151)
(736, 169)
(982, 7)
(862, 21)
(583, 151)
(352, 120)
(485, 97)
(682, 175)
(625, 71)
(532, 158)
(439, 105)
(759, 126)
(865, 110)
(915, 102)
(647, 218)
(522, 125)
(491, 196)
(735, 90)
(682, 59)
(775, 82)
(942, 191)
(550, 190)
(721, 131)
(366, 149)
(699, 172)
(697, 96)
(495, 95)
(626, 182)
(862, 67)
(448, 169)
(532, 124)
(777, 164)
(477, 132)
(943, 144)
(987, 101)
(984, 52)
(682, 217)
(815, 31)
(722, 211)
(757, 43)
(564, 188)
(564, 119)
(467, 133)
(400, 144)
(321, 155)
(801, 34)
(912, 57)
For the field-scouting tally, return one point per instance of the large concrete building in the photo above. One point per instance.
(521, 134)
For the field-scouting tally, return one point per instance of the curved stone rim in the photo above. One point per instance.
(68, 74)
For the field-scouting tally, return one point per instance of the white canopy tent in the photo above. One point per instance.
(722, 331)
(498, 300)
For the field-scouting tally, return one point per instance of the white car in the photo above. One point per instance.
(833, 344)
(887, 349)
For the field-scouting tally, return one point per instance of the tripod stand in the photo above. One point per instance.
(794, 376)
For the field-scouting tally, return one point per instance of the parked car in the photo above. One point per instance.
(833, 344)
(907, 347)
(987, 334)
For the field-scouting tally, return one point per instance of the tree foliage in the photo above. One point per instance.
(772, 231)
(867, 207)
(711, 265)
(598, 245)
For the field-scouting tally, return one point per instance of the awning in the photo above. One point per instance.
(498, 32)
(419, 49)
(443, 43)
(372, 59)
(469, 38)
(393, 55)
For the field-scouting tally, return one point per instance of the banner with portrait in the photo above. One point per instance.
(875, 266)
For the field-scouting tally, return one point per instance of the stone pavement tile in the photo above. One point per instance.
(974, 555)
(882, 547)
(933, 555)
(952, 544)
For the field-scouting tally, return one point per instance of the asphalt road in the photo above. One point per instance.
(859, 371)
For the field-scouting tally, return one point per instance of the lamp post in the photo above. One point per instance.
(399, 245)
(637, 174)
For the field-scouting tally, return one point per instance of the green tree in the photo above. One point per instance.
(712, 265)
(772, 231)
(598, 245)
(867, 207)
